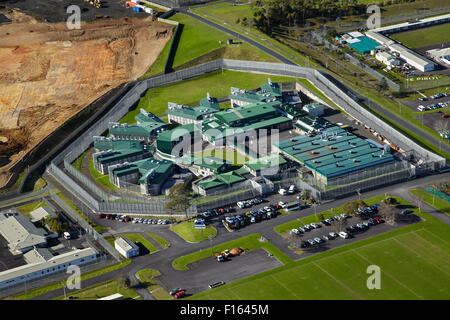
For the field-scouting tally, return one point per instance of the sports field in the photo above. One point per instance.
(424, 37)
(414, 263)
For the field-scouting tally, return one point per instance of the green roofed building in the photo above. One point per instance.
(111, 152)
(242, 121)
(176, 138)
(148, 127)
(149, 173)
(270, 92)
(186, 115)
(208, 165)
(218, 183)
(333, 153)
(270, 165)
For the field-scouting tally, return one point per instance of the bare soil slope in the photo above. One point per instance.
(49, 73)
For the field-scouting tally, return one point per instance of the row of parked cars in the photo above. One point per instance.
(435, 96)
(214, 212)
(249, 203)
(358, 227)
(253, 216)
(433, 106)
(150, 221)
(124, 218)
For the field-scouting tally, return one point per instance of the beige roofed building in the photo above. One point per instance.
(21, 234)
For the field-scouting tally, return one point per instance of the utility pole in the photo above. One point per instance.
(64, 287)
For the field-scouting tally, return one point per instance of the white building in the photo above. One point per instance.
(126, 247)
(21, 234)
(41, 213)
(412, 58)
(440, 55)
(45, 266)
(387, 58)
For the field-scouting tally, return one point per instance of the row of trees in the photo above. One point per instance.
(271, 13)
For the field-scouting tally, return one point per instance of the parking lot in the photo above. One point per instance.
(432, 120)
(209, 271)
(416, 103)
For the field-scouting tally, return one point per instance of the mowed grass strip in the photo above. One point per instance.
(102, 290)
(248, 243)
(187, 231)
(162, 242)
(146, 277)
(414, 262)
(433, 201)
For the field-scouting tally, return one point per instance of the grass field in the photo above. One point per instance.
(433, 201)
(103, 290)
(248, 243)
(189, 92)
(198, 39)
(187, 231)
(146, 277)
(414, 262)
(424, 36)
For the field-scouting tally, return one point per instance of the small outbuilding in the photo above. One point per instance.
(126, 247)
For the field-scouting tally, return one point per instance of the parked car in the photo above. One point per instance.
(282, 192)
(406, 211)
(318, 240)
(292, 189)
(101, 215)
(343, 234)
(179, 294)
(282, 204)
(326, 237)
(295, 231)
(304, 244)
(333, 235)
(311, 242)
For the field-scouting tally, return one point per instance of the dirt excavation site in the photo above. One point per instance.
(49, 73)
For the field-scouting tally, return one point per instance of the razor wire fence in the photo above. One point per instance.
(85, 225)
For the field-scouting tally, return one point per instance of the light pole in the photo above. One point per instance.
(64, 288)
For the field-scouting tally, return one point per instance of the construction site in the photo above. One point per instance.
(54, 73)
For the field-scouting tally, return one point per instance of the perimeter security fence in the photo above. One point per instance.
(108, 202)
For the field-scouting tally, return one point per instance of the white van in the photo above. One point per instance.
(421, 108)
(66, 235)
(282, 192)
(292, 189)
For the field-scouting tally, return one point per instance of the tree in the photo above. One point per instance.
(339, 225)
(350, 207)
(179, 199)
(293, 239)
(388, 212)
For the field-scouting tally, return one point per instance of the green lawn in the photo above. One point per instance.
(26, 209)
(163, 242)
(248, 243)
(146, 277)
(187, 231)
(54, 286)
(135, 238)
(189, 92)
(102, 179)
(433, 201)
(414, 262)
(424, 36)
(103, 290)
(234, 157)
(198, 39)
(77, 164)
